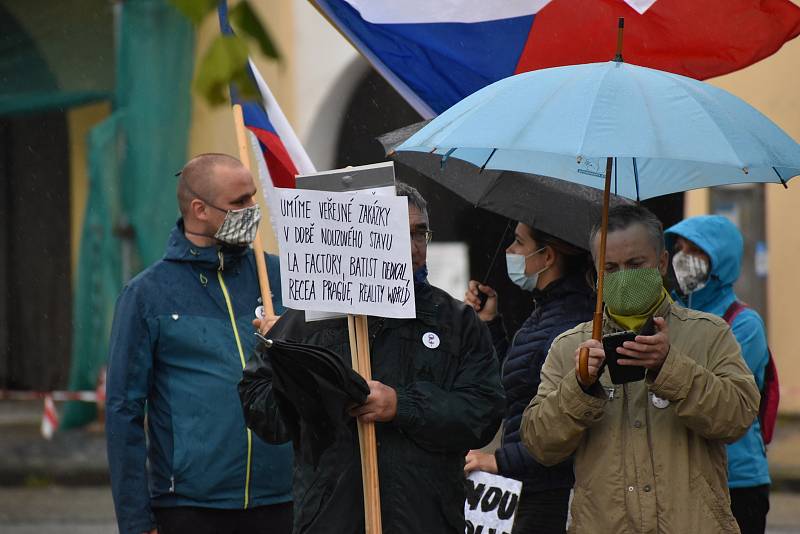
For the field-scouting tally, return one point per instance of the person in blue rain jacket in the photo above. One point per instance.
(707, 259)
(181, 335)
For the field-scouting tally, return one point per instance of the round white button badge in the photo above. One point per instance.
(658, 402)
(260, 312)
(430, 340)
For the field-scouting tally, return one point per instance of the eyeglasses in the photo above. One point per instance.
(421, 237)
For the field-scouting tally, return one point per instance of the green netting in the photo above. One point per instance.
(157, 52)
(133, 158)
(100, 269)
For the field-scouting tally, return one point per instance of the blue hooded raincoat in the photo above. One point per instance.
(722, 241)
(181, 335)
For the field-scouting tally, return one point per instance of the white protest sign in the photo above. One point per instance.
(316, 315)
(491, 503)
(345, 252)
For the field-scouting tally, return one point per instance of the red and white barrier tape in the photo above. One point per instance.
(61, 396)
(50, 415)
(49, 418)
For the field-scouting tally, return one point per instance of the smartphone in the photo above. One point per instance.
(621, 374)
(482, 297)
(649, 327)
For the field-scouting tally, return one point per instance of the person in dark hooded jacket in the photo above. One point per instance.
(434, 395)
(556, 273)
(707, 261)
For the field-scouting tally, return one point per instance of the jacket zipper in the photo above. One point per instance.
(241, 357)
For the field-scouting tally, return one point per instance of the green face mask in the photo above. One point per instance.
(632, 291)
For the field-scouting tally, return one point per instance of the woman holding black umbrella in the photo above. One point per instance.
(556, 273)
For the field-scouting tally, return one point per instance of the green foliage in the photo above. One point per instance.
(195, 10)
(226, 59)
(245, 20)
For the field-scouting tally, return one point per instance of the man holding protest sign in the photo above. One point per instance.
(435, 392)
(179, 341)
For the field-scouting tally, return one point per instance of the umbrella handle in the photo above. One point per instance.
(583, 367)
(597, 322)
(583, 357)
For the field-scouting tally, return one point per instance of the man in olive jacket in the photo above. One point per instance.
(436, 394)
(649, 455)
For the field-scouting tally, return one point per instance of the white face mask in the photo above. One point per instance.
(515, 266)
(691, 272)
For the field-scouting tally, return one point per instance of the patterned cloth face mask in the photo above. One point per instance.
(691, 272)
(240, 226)
(632, 291)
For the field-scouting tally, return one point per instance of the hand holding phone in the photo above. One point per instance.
(483, 300)
(620, 374)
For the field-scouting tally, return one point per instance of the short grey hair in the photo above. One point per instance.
(624, 216)
(413, 196)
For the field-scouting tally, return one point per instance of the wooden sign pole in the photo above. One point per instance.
(360, 356)
(258, 246)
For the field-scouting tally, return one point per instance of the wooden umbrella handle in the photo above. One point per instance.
(597, 322)
(583, 367)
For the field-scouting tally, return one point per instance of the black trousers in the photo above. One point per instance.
(542, 512)
(272, 519)
(750, 507)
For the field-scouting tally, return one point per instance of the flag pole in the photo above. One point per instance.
(258, 246)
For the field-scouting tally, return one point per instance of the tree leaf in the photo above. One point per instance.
(195, 10)
(224, 62)
(245, 20)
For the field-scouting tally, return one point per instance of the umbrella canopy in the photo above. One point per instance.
(653, 132)
(666, 133)
(313, 390)
(538, 201)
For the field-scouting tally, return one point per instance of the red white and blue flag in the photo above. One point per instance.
(283, 156)
(436, 53)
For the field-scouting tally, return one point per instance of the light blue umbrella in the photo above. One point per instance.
(633, 131)
(666, 133)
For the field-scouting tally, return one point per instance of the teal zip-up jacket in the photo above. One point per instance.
(175, 355)
(722, 241)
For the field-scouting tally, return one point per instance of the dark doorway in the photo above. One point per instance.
(744, 205)
(35, 252)
(376, 108)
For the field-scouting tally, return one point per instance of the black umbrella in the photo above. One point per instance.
(557, 207)
(313, 389)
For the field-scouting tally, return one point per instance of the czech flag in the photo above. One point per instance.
(283, 155)
(437, 53)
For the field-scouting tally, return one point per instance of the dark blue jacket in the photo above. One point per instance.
(558, 307)
(174, 353)
(722, 241)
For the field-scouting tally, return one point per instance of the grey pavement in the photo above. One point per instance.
(89, 510)
(60, 486)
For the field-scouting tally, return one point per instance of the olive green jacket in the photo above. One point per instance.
(641, 468)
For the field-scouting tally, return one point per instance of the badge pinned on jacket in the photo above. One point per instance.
(658, 402)
(430, 340)
(259, 311)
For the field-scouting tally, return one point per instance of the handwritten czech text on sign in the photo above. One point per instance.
(345, 252)
(491, 503)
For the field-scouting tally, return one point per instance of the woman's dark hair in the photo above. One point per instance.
(575, 260)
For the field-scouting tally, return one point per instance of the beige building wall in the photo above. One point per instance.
(320, 70)
(772, 87)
